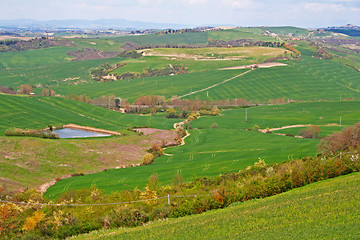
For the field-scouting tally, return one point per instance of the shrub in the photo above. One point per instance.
(148, 158)
(345, 140)
(310, 132)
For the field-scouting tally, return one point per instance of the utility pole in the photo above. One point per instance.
(245, 114)
(340, 121)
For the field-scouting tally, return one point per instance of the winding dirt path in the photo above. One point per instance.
(285, 127)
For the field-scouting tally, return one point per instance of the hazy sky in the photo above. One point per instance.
(307, 13)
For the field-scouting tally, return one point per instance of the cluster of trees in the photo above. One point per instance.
(131, 54)
(257, 181)
(31, 133)
(98, 74)
(241, 43)
(7, 90)
(291, 48)
(103, 74)
(91, 53)
(322, 53)
(48, 92)
(310, 132)
(37, 43)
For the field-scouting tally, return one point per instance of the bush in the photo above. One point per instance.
(310, 132)
(31, 133)
(345, 140)
(148, 158)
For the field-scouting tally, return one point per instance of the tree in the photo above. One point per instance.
(171, 113)
(48, 92)
(26, 89)
(310, 132)
(117, 103)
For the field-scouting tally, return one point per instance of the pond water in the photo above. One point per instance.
(76, 133)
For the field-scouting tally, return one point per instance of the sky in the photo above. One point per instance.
(301, 13)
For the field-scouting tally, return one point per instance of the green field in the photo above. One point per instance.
(316, 113)
(165, 86)
(307, 79)
(199, 59)
(207, 152)
(50, 66)
(295, 31)
(39, 112)
(323, 210)
(240, 33)
(228, 148)
(191, 38)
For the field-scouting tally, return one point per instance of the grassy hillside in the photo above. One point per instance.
(228, 148)
(191, 38)
(198, 59)
(30, 162)
(255, 34)
(286, 30)
(204, 154)
(317, 113)
(50, 66)
(323, 210)
(307, 79)
(166, 86)
(38, 112)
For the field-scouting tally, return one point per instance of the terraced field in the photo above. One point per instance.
(38, 112)
(323, 210)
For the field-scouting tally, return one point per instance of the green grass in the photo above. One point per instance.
(192, 38)
(207, 152)
(38, 112)
(228, 148)
(240, 33)
(323, 210)
(199, 59)
(295, 31)
(29, 162)
(100, 44)
(166, 86)
(307, 79)
(316, 113)
(48, 67)
(325, 130)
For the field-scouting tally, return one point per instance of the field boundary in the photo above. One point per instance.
(92, 129)
(256, 65)
(215, 85)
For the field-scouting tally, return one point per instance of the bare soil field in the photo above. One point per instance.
(258, 65)
(6, 37)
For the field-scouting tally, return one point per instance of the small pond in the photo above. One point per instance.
(76, 133)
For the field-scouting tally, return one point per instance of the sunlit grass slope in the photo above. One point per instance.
(38, 112)
(324, 210)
